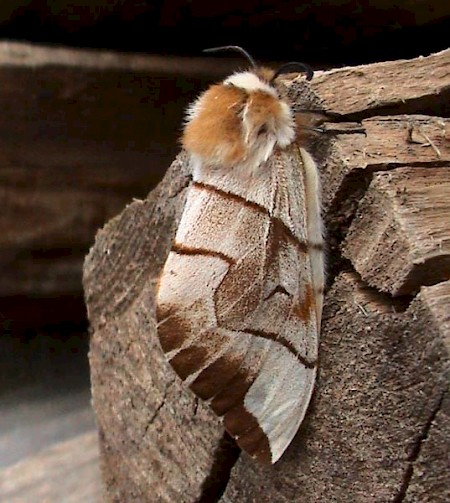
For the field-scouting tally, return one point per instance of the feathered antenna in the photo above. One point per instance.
(233, 48)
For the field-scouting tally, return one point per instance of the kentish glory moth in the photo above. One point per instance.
(240, 296)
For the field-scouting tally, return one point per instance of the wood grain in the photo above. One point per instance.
(399, 238)
(140, 404)
(91, 135)
(374, 430)
(381, 143)
(401, 86)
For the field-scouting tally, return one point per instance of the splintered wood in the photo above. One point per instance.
(400, 239)
(378, 425)
(388, 87)
(381, 143)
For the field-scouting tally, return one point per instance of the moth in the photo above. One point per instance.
(240, 296)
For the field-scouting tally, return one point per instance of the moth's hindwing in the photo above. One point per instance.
(240, 296)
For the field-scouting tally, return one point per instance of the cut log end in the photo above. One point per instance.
(377, 428)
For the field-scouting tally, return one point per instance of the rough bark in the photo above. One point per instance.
(375, 428)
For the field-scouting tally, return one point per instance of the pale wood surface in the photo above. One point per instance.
(400, 239)
(23, 55)
(388, 87)
(373, 430)
(66, 472)
(381, 143)
(98, 128)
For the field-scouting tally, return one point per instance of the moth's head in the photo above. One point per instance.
(266, 116)
(242, 119)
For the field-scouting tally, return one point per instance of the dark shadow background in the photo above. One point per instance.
(325, 33)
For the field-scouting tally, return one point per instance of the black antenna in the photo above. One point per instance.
(233, 48)
(292, 67)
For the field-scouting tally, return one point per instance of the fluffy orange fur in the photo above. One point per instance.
(215, 132)
(263, 111)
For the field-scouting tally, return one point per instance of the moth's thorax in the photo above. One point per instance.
(239, 122)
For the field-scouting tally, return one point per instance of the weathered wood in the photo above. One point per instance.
(79, 137)
(400, 236)
(140, 404)
(429, 471)
(68, 471)
(381, 143)
(399, 87)
(383, 379)
(383, 364)
(431, 486)
(90, 128)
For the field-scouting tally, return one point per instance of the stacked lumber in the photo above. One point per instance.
(81, 134)
(378, 426)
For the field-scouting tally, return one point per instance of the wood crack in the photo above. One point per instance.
(158, 408)
(415, 451)
(402, 355)
(384, 300)
(225, 457)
